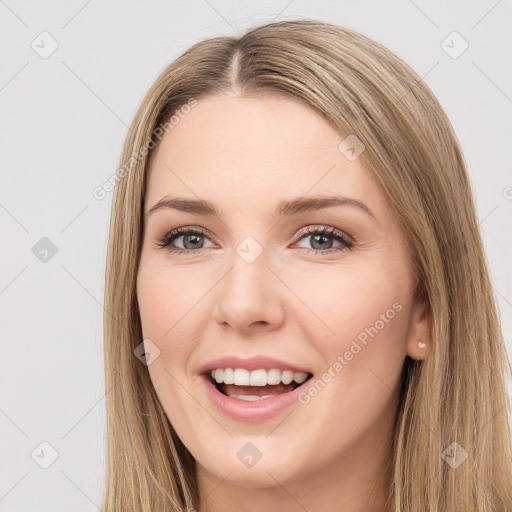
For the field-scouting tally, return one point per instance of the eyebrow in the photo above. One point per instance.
(284, 208)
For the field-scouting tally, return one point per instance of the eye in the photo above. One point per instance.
(193, 240)
(322, 238)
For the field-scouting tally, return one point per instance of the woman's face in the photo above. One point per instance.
(260, 280)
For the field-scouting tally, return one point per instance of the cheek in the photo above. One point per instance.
(348, 300)
(171, 306)
(356, 390)
(364, 322)
(162, 303)
(167, 301)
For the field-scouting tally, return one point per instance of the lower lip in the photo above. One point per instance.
(259, 410)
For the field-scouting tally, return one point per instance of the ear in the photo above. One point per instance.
(419, 342)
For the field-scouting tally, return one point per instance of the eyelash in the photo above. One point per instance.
(347, 242)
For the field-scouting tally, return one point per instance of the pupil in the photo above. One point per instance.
(188, 237)
(316, 237)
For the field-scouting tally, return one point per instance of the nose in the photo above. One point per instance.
(250, 298)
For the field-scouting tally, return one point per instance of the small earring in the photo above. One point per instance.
(421, 344)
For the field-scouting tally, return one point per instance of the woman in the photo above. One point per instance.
(300, 312)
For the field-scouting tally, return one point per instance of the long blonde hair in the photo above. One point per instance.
(457, 395)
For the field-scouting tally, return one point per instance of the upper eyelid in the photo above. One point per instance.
(303, 230)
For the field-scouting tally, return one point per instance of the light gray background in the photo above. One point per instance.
(63, 122)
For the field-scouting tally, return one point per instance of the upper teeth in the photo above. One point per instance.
(242, 377)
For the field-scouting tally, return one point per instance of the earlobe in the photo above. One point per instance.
(419, 342)
(419, 351)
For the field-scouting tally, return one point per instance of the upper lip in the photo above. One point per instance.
(250, 363)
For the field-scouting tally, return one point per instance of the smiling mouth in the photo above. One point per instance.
(257, 392)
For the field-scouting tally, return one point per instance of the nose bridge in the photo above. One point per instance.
(248, 293)
(248, 271)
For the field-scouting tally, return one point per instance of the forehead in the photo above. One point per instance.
(258, 147)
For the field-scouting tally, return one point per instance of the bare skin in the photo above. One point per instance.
(296, 302)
